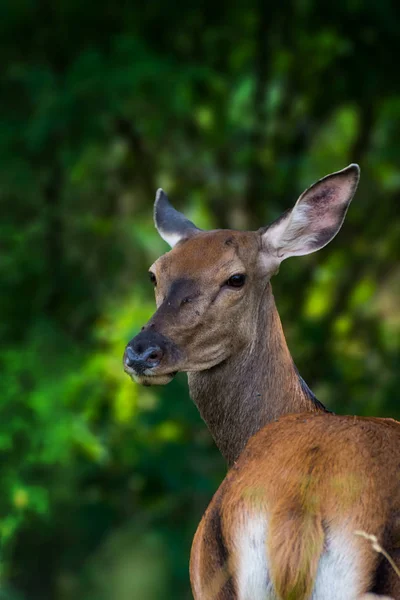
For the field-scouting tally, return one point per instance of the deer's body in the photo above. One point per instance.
(282, 523)
(301, 477)
(301, 481)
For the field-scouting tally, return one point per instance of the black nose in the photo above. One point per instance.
(145, 351)
(149, 356)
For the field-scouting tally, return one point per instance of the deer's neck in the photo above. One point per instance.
(253, 387)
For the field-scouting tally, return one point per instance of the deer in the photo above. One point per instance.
(301, 481)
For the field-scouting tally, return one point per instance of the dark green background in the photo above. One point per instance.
(233, 108)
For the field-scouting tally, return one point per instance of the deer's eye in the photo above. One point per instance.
(236, 281)
(153, 278)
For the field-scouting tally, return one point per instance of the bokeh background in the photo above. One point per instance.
(234, 108)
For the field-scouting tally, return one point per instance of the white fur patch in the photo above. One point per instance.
(296, 220)
(171, 238)
(338, 575)
(252, 577)
(294, 234)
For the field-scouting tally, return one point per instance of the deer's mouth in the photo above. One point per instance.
(151, 378)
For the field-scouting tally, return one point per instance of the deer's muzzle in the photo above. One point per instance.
(143, 356)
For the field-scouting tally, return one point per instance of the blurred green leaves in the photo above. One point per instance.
(234, 110)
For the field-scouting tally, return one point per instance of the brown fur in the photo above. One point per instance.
(230, 341)
(344, 483)
(313, 474)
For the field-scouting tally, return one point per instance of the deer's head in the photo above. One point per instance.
(210, 285)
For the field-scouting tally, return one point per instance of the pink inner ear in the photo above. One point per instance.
(326, 207)
(316, 218)
(322, 199)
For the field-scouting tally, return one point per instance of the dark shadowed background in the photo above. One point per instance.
(233, 108)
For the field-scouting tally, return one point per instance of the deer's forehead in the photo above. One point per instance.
(210, 252)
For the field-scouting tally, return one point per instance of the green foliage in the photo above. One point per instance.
(234, 110)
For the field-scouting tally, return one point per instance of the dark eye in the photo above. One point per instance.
(153, 278)
(236, 281)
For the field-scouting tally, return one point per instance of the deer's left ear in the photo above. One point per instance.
(314, 220)
(172, 225)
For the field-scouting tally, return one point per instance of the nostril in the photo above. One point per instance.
(153, 355)
(129, 357)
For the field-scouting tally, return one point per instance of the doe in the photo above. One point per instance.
(301, 480)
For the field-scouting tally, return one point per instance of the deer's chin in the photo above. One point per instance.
(153, 379)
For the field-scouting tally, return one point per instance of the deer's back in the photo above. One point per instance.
(284, 519)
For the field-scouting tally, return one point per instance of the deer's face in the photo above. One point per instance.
(206, 291)
(209, 286)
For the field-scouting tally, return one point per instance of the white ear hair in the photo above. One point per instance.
(172, 225)
(314, 220)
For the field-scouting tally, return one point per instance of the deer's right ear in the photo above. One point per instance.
(314, 220)
(172, 225)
